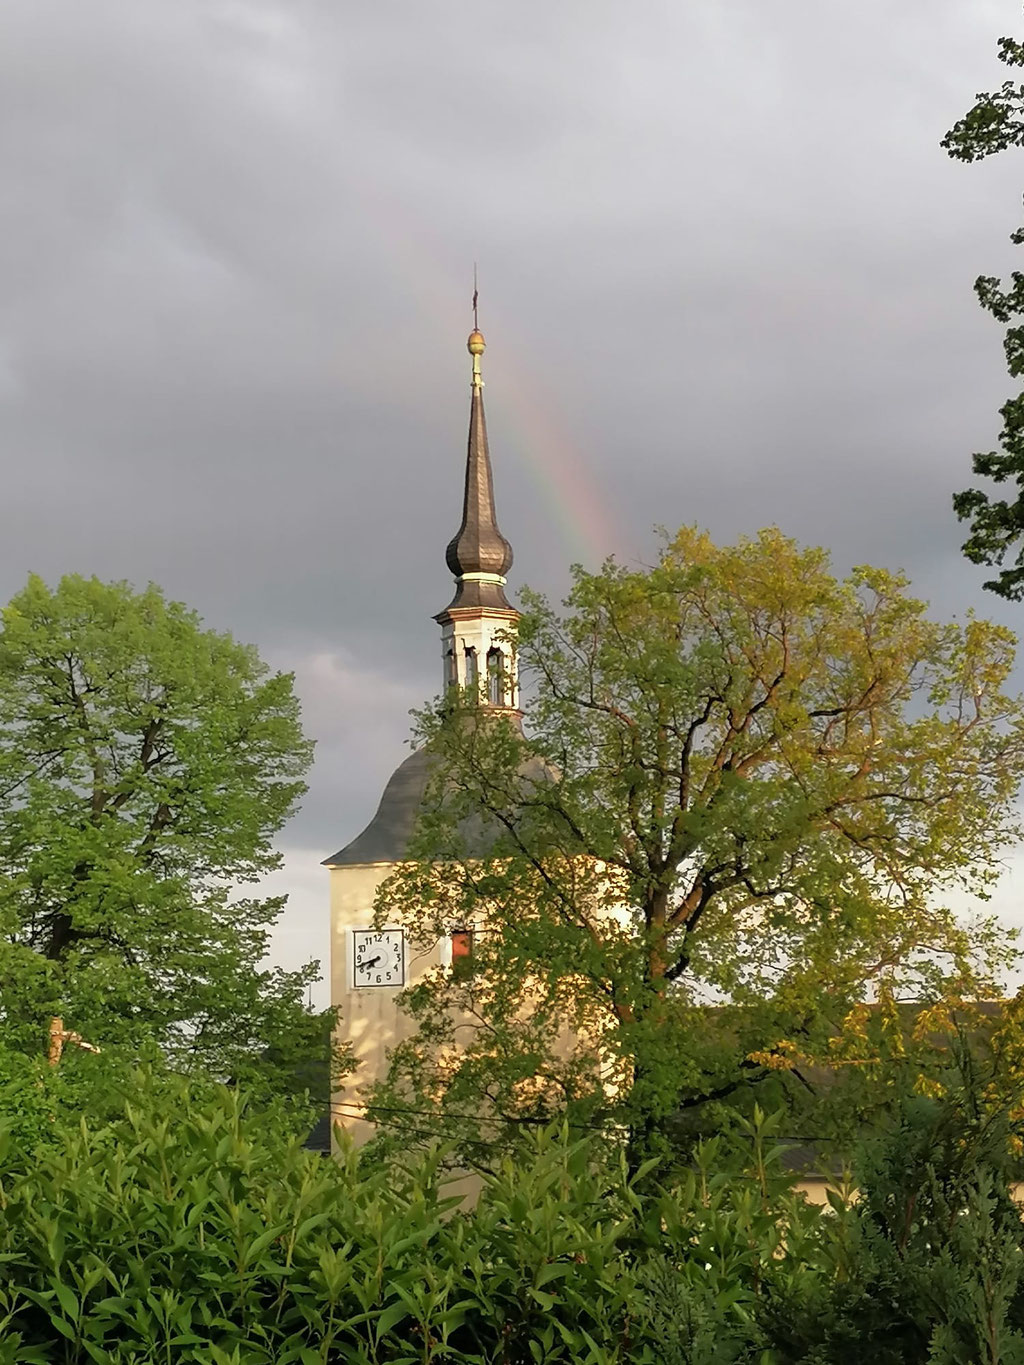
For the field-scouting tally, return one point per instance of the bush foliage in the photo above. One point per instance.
(195, 1230)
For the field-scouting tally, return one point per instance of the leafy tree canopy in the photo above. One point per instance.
(995, 123)
(145, 766)
(747, 791)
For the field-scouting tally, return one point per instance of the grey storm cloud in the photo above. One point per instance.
(725, 277)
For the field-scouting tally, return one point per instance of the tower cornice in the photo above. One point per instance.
(464, 612)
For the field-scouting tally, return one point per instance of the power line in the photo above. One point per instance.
(350, 1109)
(473, 1118)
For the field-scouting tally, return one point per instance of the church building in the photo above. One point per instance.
(369, 967)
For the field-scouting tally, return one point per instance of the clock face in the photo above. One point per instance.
(378, 957)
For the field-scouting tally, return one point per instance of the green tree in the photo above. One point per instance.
(995, 123)
(145, 766)
(746, 790)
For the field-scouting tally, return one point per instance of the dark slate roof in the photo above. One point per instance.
(386, 837)
(476, 594)
(478, 546)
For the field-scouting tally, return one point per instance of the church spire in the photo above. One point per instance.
(478, 554)
(475, 625)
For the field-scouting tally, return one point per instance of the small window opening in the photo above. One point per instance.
(495, 677)
(451, 676)
(471, 670)
(462, 952)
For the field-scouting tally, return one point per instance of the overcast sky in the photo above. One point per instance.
(725, 276)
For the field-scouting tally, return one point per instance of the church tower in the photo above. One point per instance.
(473, 625)
(370, 967)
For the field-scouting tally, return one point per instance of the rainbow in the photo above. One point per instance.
(568, 490)
(579, 514)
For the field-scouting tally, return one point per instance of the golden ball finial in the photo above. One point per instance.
(475, 344)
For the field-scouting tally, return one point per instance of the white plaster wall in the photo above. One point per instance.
(481, 633)
(370, 1020)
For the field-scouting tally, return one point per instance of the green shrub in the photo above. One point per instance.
(927, 1267)
(197, 1231)
(195, 1228)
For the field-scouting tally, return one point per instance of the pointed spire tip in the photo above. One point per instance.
(475, 345)
(478, 555)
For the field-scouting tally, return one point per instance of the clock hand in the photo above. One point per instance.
(372, 961)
